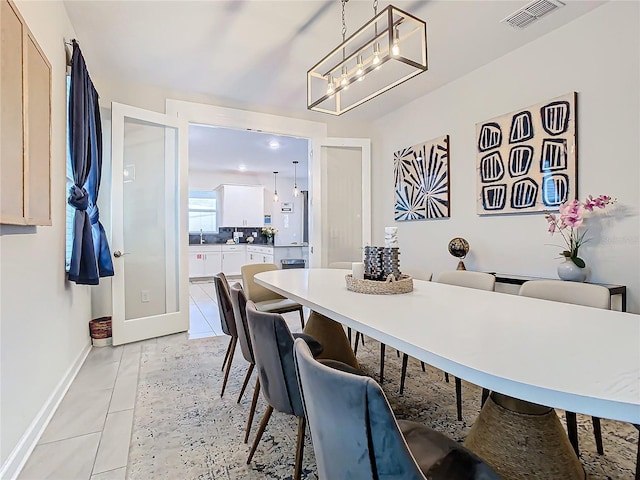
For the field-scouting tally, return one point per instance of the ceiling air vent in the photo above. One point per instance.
(531, 12)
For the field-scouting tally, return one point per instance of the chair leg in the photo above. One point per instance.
(301, 317)
(485, 394)
(226, 355)
(349, 334)
(446, 377)
(362, 339)
(405, 359)
(597, 433)
(355, 345)
(263, 425)
(382, 349)
(398, 353)
(299, 448)
(252, 410)
(246, 380)
(459, 398)
(234, 340)
(422, 365)
(572, 431)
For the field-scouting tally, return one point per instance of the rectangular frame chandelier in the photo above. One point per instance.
(388, 50)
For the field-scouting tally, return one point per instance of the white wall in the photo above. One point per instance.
(597, 56)
(43, 318)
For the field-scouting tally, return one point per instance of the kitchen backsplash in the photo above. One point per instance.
(226, 233)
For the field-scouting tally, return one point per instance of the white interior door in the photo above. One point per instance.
(149, 237)
(340, 200)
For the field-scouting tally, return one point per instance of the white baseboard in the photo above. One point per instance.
(18, 457)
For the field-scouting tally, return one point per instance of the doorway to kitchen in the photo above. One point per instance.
(241, 182)
(321, 151)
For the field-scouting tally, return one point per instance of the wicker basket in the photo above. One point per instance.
(391, 286)
(100, 331)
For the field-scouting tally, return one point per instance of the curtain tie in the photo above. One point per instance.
(94, 213)
(78, 198)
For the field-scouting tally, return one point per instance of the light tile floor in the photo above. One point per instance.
(89, 435)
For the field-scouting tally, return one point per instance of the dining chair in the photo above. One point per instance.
(347, 266)
(468, 279)
(418, 275)
(370, 442)
(273, 351)
(586, 294)
(227, 321)
(264, 299)
(239, 301)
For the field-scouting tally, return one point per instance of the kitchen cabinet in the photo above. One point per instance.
(205, 261)
(240, 205)
(259, 254)
(233, 257)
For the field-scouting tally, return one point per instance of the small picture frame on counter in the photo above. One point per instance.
(267, 219)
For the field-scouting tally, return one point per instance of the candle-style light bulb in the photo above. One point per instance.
(329, 85)
(376, 53)
(345, 81)
(395, 49)
(360, 66)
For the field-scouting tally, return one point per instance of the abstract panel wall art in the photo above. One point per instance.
(421, 176)
(527, 159)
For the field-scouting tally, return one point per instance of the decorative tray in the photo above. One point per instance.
(391, 286)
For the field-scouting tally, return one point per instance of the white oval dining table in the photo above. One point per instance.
(564, 356)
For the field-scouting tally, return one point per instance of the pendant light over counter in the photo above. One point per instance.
(275, 187)
(296, 192)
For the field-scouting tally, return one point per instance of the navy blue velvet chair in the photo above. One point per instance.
(356, 436)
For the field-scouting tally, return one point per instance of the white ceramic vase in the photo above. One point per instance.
(569, 271)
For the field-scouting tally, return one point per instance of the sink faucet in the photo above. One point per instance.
(201, 237)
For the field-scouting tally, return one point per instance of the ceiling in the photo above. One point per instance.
(254, 54)
(216, 149)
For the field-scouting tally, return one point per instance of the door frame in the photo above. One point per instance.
(364, 144)
(163, 324)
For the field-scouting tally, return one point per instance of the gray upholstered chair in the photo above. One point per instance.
(585, 294)
(477, 280)
(370, 443)
(418, 275)
(266, 300)
(347, 266)
(341, 265)
(273, 351)
(227, 321)
(239, 301)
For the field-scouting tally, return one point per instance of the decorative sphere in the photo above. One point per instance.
(458, 247)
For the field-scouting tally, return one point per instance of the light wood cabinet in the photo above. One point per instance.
(240, 205)
(25, 124)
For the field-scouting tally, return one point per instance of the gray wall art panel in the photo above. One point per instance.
(421, 177)
(526, 159)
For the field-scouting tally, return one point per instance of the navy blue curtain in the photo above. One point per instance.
(90, 256)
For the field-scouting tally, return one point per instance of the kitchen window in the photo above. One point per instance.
(203, 215)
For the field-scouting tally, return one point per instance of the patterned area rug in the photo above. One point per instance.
(184, 430)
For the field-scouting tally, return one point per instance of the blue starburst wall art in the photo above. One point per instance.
(421, 175)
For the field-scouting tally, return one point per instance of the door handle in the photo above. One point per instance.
(119, 254)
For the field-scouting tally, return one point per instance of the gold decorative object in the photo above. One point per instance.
(459, 247)
(391, 286)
